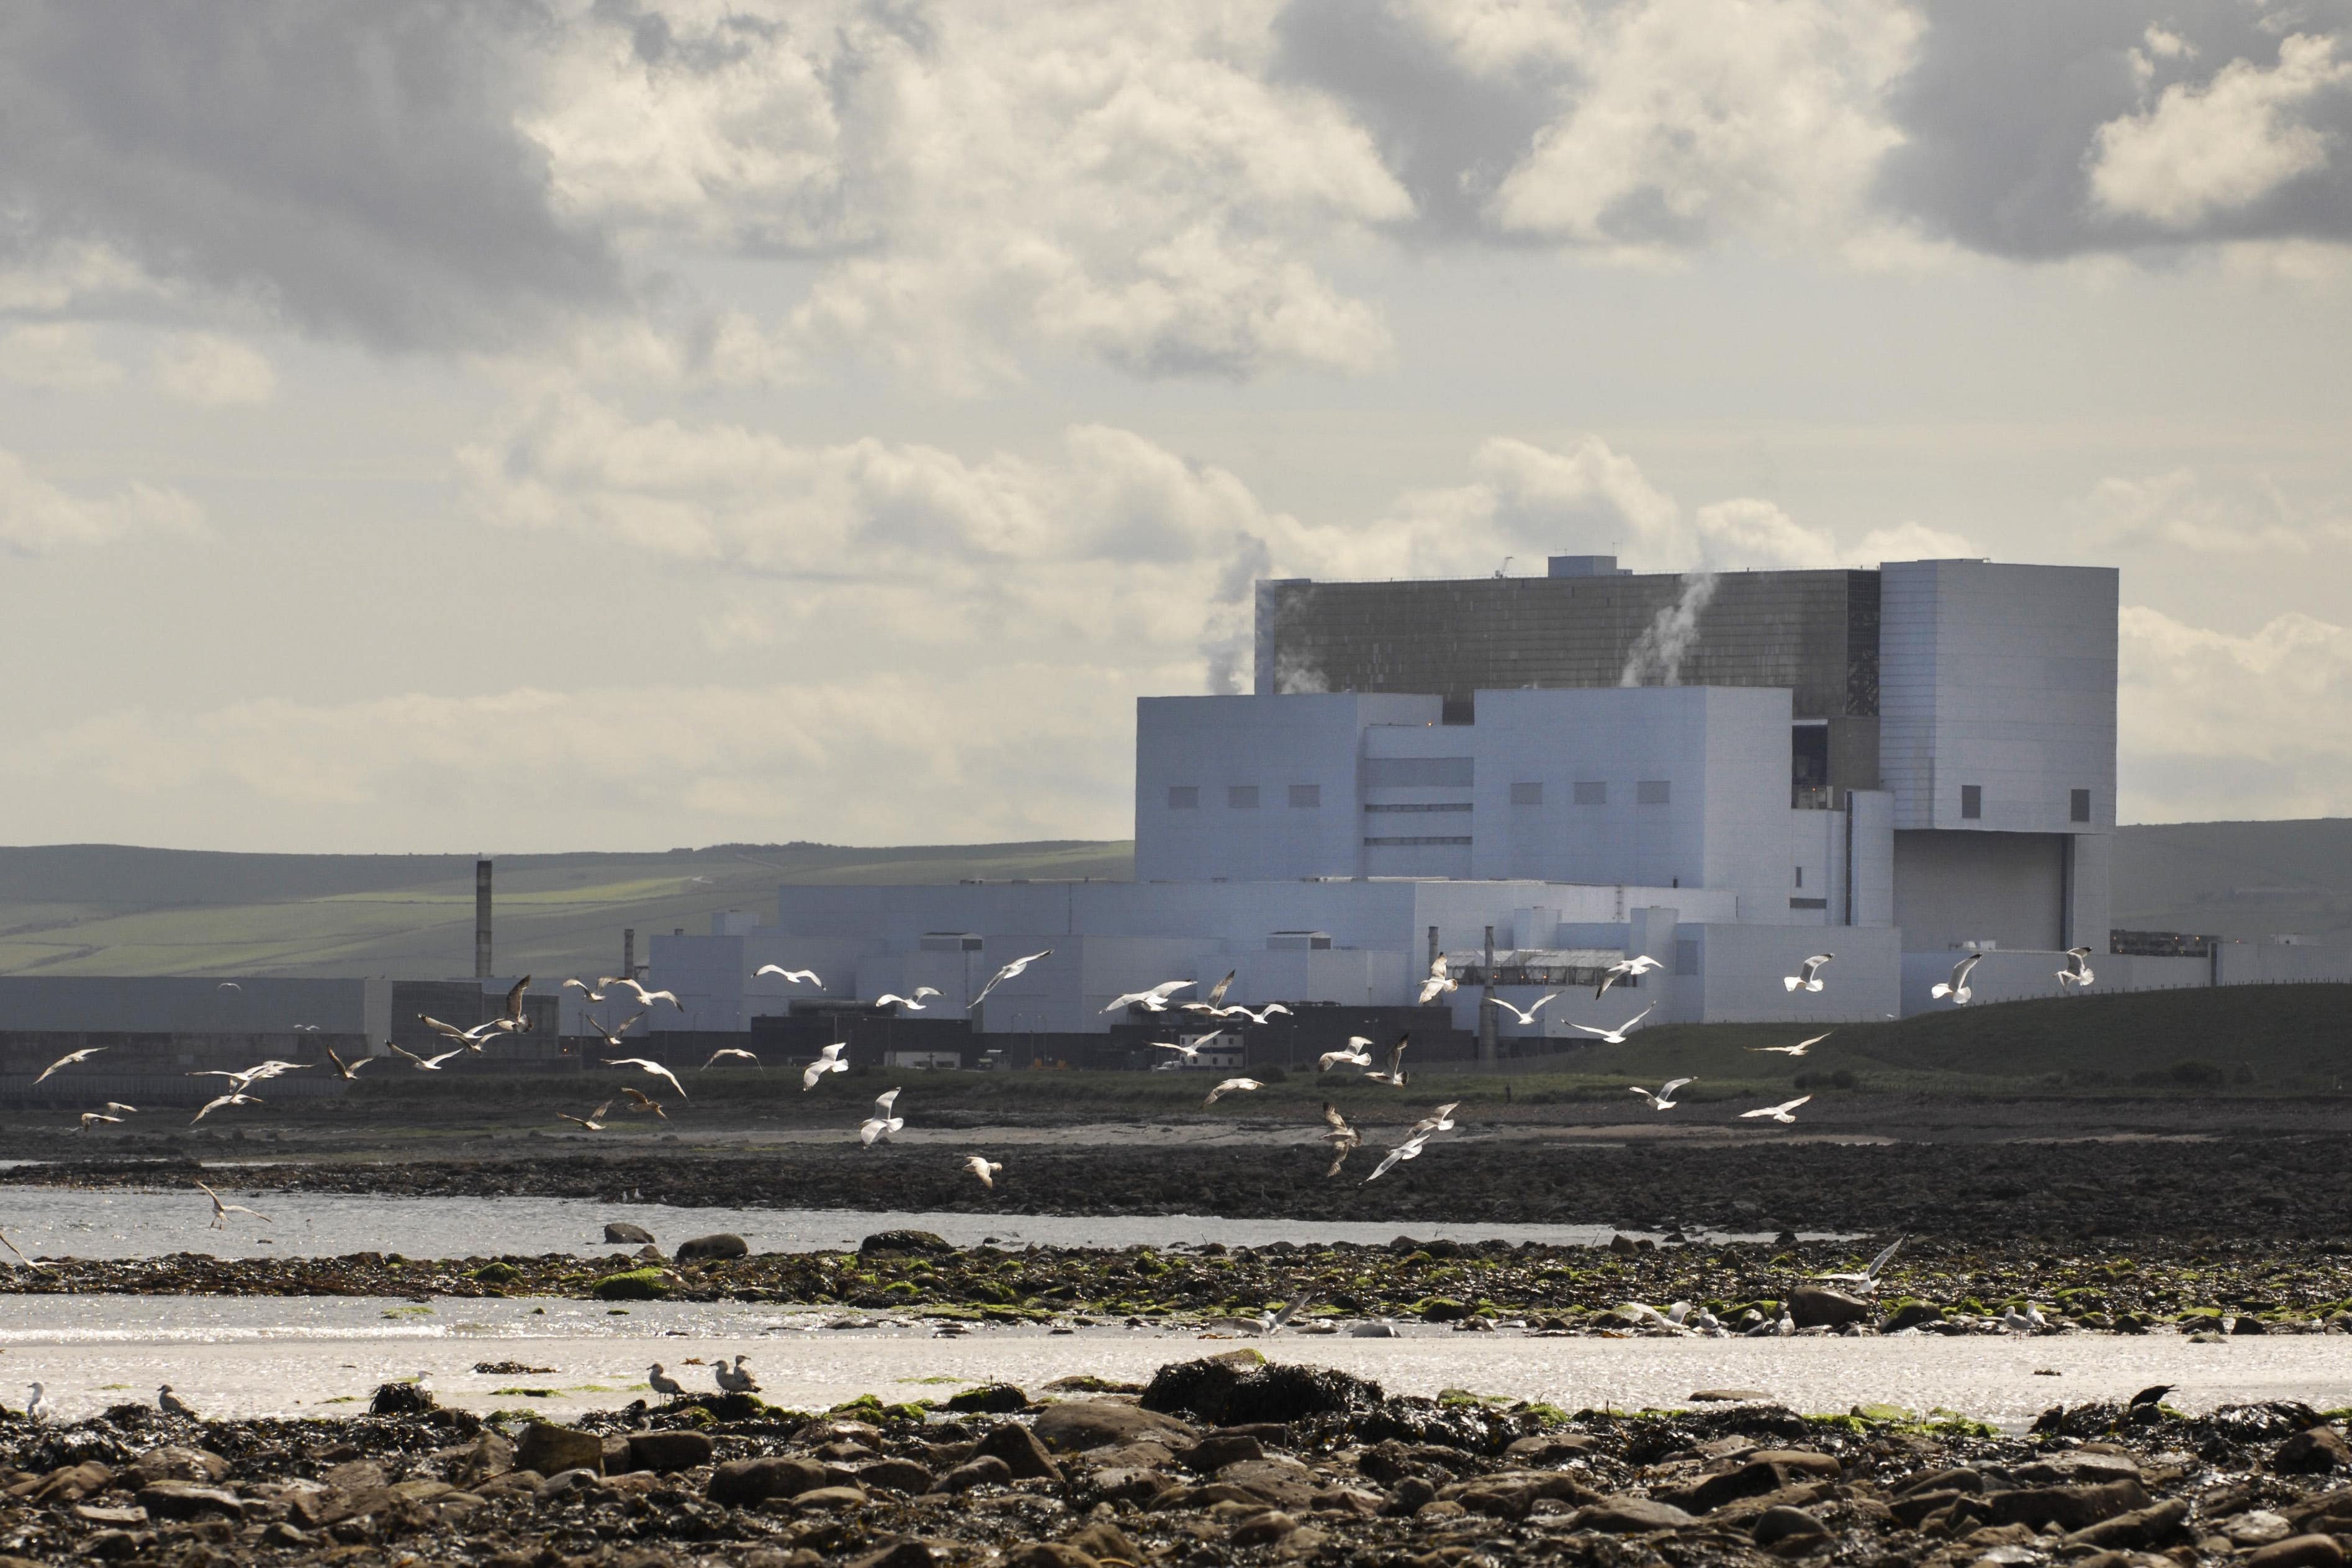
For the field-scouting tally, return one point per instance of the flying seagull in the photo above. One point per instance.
(592, 1122)
(90, 1119)
(650, 1066)
(1809, 974)
(2078, 970)
(511, 1014)
(221, 1211)
(1189, 1050)
(1800, 1048)
(347, 1070)
(1616, 1037)
(1665, 1099)
(1232, 1086)
(1439, 982)
(1394, 1077)
(37, 1267)
(589, 991)
(1438, 1120)
(1409, 1150)
(235, 1096)
(640, 1102)
(1344, 1140)
(1273, 1323)
(1260, 1016)
(229, 985)
(881, 1124)
(116, 1108)
(1154, 1000)
(1529, 1016)
(1216, 996)
(827, 1060)
(1779, 1112)
(726, 1053)
(1358, 1054)
(300, 1029)
(1006, 974)
(1957, 987)
(612, 1034)
(912, 1003)
(429, 1064)
(69, 1060)
(1868, 1279)
(644, 998)
(790, 976)
(982, 1167)
(1624, 969)
(253, 1075)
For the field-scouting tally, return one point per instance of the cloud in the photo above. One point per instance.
(38, 517)
(2216, 725)
(57, 356)
(2218, 147)
(2179, 510)
(213, 372)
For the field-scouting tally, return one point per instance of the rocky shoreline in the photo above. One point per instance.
(1933, 1286)
(1224, 1460)
(2276, 1188)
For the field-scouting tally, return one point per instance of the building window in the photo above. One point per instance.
(1527, 795)
(1308, 796)
(1971, 802)
(1431, 805)
(1183, 797)
(1591, 791)
(1423, 840)
(1652, 792)
(2079, 805)
(1800, 876)
(1241, 797)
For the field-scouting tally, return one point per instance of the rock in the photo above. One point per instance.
(1050, 1554)
(488, 1455)
(897, 1243)
(1911, 1315)
(175, 1464)
(107, 1546)
(1229, 1390)
(895, 1475)
(2069, 1508)
(985, 1471)
(1260, 1529)
(1083, 1424)
(1628, 1516)
(1285, 1483)
(1549, 1448)
(1817, 1306)
(1127, 1483)
(830, 1497)
(89, 1513)
(665, 1452)
(1728, 1396)
(74, 1483)
(616, 1457)
(1766, 1470)
(188, 1500)
(988, 1399)
(355, 1476)
(739, 1483)
(401, 1399)
(1218, 1449)
(1105, 1542)
(621, 1230)
(900, 1554)
(1023, 1456)
(2298, 1552)
(2141, 1528)
(2312, 1453)
(719, 1244)
(550, 1450)
(1781, 1529)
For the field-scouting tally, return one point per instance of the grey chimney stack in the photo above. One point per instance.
(482, 919)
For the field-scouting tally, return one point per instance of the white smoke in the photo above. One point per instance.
(1657, 656)
(1295, 674)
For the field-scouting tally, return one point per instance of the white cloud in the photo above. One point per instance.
(213, 372)
(2178, 509)
(2202, 151)
(2216, 725)
(38, 517)
(57, 356)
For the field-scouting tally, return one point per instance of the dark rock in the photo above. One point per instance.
(985, 1471)
(1260, 1528)
(988, 1399)
(1105, 1541)
(106, 1546)
(2069, 1508)
(902, 1554)
(1218, 1449)
(2298, 1552)
(740, 1483)
(1911, 1315)
(2141, 1528)
(175, 1464)
(719, 1244)
(550, 1450)
(188, 1500)
(1224, 1393)
(488, 1455)
(1082, 1423)
(1549, 1448)
(896, 1475)
(1628, 1516)
(2312, 1453)
(894, 1243)
(401, 1399)
(831, 1497)
(664, 1452)
(1412, 1494)
(621, 1230)
(1128, 1483)
(1779, 1529)
(1729, 1395)
(1023, 1454)
(1050, 1554)
(1817, 1306)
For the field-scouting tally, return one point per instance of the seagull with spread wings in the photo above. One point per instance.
(1800, 1048)
(827, 1060)
(1152, 1000)
(594, 1121)
(1409, 1150)
(790, 976)
(427, 1064)
(235, 1097)
(90, 1119)
(640, 1102)
(1344, 1140)
(221, 1211)
(1624, 969)
(882, 1123)
(1006, 974)
(912, 1003)
(728, 1053)
(1189, 1050)
(1957, 987)
(648, 1065)
(1867, 1280)
(1438, 1120)
(1665, 1099)
(68, 1059)
(644, 998)
(1809, 974)
(1260, 1016)
(2078, 970)
(347, 1070)
(1616, 1037)
(1439, 982)
(585, 989)
(1358, 1054)
(1232, 1086)
(1394, 1077)
(982, 1167)
(1780, 1113)
(612, 1035)
(1527, 1016)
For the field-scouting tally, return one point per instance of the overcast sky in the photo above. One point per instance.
(441, 426)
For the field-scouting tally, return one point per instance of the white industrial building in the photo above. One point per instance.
(1896, 766)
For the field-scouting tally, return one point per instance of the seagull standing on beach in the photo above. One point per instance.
(221, 1211)
(1809, 974)
(1152, 1000)
(734, 1379)
(170, 1403)
(790, 976)
(66, 1061)
(661, 1382)
(648, 1065)
(1624, 969)
(1006, 974)
(1957, 987)
(1800, 1048)
(1867, 1280)
(2078, 970)
(1779, 1112)
(1529, 1016)
(827, 1060)
(1439, 982)
(38, 1408)
(1665, 1099)
(1358, 1054)
(1344, 1140)
(1232, 1086)
(725, 1053)
(1394, 1077)
(982, 1167)
(1616, 1037)
(912, 1003)
(881, 1124)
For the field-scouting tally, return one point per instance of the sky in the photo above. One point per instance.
(553, 425)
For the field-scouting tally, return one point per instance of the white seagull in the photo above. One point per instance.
(912, 1003)
(1439, 982)
(1438, 1120)
(2078, 970)
(221, 1211)
(1006, 974)
(1154, 1000)
(1529, 1016)
(347, 1070)
(827, 1060)
(66, 1061)
(1216, 996)
(644, 998)
(1868, 1279)
(1189, 1050)
(300, 1029)
(38, 1408)
(982, 1167)
(1665, 1099)
(90, 1119)
(1409, 1150)
(594, 1121)
(1260, 1016)
(1800, 1048)
(1616, 1037)
(790, 976)
(1624, 969)
(237, 1097)
(116, 1108)
(242, 1081)
(1344, 1140)
(1394, 1077)
(640, 1102)
(727, 1053)
(650, 1066)
(1779, 1112)
(1957, 987)
(881, 1124)
(1358, 1054)
(612, 1034)
(1809, 974)
(1232, 1086)
(429, 1064)
(590, 991)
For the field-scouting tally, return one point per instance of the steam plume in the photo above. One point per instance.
(1657, 656)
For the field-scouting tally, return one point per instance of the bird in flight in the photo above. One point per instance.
(1622, 970)
(1216, 996)
(116, 1108)
(1394, 1077)
(1665, 1099)
(1189, 1050)
(1780, 1112)
(90, 1119)
(1438, 1120)
(1358, 1054)
(1439, 982)
(67, 1060)
(428, 1064)
(912, 1003)
(644, 998)
(1957, 987)
(640, 1102)
(1344, 1140)
(229, 985)
(253, 1075)
(790, 976)
(827, 1060)
(1260, 1016)
(235, 1097)
(594, 1121)
(1800, 1048)
(347, 1070)
(300, 1029)
(2078, 970)
(1409, 1150)
(1809, 974)
(1527, 1016)
(612, 1034)
(1616, 1037)
(1152, 1000)
(982, 1167)
(1006, 974)
(1868, 1279)
(728, 1053)
(221, 1211)
(587, 990)
(881, 1124)
(648, 1065)
(1232, 1086)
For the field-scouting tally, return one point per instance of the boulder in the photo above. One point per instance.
(665, 1452)
(1105, 1541)
(488, 1455)
(988, 1470)
(177, 1464)
(550, 1450)
(740, 1483)
(2069, 1508)
(1260, 1529)
(2298, 1552)
(1228, 1390)
(1786, 1529)
(1218, 1449)
(1629, 1515)
(830, 1497)
(988, 1399)
(896, 1475)
(1049, 1554)
(719, 1244)
(2139, 1530)
(188, 1500)
(900, 1554)
(621, 1230)
(2312, 1453)
(1817, 1306)
(401, 1399)
(1023, 1454)
(898, 1243)
(1082, 1423)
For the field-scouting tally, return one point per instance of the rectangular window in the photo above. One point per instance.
(1183, 797)
(1432, 806)
(1420, 772)
(1800, 876)
(1241, 797)
(1527, 795)
(1307, 796)
(1971, 802)
(1591, 791)
(2078, 805)
(1652, 792)
(1809, 903)
(1416, 841)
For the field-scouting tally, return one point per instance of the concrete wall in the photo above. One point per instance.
(2005, 888)
(1740, 969)
(2276, 963)
(195, 1004)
